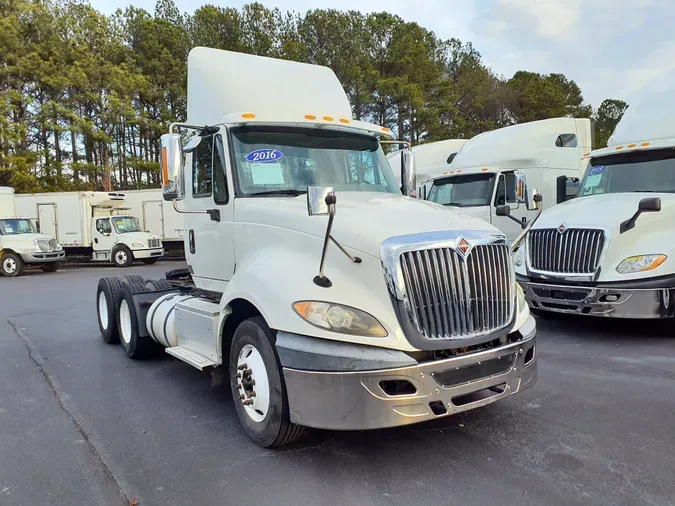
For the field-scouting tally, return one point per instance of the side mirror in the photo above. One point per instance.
(408, 176)
(561, 189)
(650, 205)
(503, 211)
(319, 199)
(521, 187)
(172, 161)
(37, 225)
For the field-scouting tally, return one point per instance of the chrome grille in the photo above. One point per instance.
(449, 297)
(575, 251)
(155, 243)
(43, 245)
(52, 244)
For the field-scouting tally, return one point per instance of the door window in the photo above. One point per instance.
(208, 170)
(506, 190)
(103, 226)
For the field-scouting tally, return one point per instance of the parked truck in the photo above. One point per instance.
(429, 159)
(93, 224)
(493, 167)
(611, 251)
(322, 296)
(157, 217)
(21, 245)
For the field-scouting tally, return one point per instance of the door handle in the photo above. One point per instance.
(191, 241)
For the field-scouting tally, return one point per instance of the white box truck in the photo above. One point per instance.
(611, 251)
(20, 243)
(486, 173)
(95, 224)
(429, 159)
(321, 295)
(157, 217)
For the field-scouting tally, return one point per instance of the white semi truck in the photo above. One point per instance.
(20, 243)
(93, 224)
(322, 296)
(611, 251)
(487, 171)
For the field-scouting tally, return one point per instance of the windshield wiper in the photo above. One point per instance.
(293, 193)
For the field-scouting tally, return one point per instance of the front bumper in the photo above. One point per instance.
(357, 400)
(608, 301)
(147, 253)
(40, 257)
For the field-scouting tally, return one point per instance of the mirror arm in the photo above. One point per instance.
(522, 222)
(321, 280)
(516, 243)
(629, 224)
(356, 260)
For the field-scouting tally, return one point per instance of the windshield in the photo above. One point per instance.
(287, 161)
(15, 226)
(463, 191)
(640, 171)
(124, 224)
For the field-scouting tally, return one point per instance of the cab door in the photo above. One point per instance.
(505, 194)
(209, 228)
(102, 234)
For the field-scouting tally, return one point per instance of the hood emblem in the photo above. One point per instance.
(562, 228)
(463, 247)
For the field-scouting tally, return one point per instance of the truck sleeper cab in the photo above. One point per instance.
(611, 251)
(318, 292)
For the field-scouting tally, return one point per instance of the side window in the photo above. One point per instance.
(202, 168)
(566, 141)
(103, 226)
(220, 195)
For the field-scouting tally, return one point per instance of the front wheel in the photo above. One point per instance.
(11, 265)
(258, 388)
(51, 267)
(149, 261)
(122, 257)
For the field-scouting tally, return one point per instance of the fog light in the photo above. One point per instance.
(610, 298)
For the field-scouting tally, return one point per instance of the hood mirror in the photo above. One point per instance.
(648, 205)
(321, 200)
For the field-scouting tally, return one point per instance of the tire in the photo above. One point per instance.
(11, 265)
(150, 261)
(267, 424)
(158, 285)
(107, 306)
(51, 267)
(122, 257)
(135, 346)
(133, 278)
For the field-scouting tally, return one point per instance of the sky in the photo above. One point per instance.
(612, 48)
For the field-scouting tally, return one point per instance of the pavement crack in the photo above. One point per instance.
(57, 396)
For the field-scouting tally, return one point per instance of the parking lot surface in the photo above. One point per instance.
(80, 423)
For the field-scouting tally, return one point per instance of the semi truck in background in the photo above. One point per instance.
(21, 245)
(611, 250)
(316, 291)
(429, 159)
(487, 172)
(92, 224)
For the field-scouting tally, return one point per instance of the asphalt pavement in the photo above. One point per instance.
(80, 423)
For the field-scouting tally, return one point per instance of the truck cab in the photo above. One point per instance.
(21, 245)
(485, 174)
(314, 289)
(610, 252)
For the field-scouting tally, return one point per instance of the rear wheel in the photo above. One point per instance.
(107, 305)
(258, 388)
(133, 344)
(51, 267)
(149, 261)
(158, 285)
(122, 257)
(11, 265)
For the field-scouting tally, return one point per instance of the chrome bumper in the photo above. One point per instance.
(43, 257)
(147, 253)
(357, 400)
(601, 301)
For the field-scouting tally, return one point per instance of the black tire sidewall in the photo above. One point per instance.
(132, 348)
(19, 265)
(264, 433)
(130, 257)
(149, 261)
(51, 267)
(110, 335)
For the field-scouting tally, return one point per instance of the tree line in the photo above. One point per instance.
(84, 97)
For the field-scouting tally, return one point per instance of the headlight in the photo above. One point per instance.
(519, 257)
(58, 247)
(28, 250)
(338, 318)
(520, 297)
(640, 263)
(138, 245)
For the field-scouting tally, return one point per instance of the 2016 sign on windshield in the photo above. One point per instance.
(264, 155)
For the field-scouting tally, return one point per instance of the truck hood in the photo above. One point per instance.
(29, 237)
(129, 237)
(362, 219)
(652, 234)
(606, 211)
